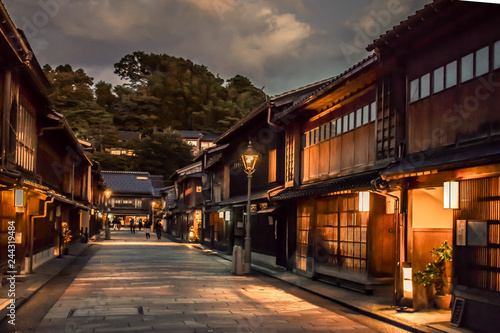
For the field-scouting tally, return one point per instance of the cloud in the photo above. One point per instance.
(280, 44)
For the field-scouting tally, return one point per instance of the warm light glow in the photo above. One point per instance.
(364, 201)
(107, 193)
(250, 158)
(221, 215)
(92, 211)
(18, 198)
(407, 282)
(450, 195)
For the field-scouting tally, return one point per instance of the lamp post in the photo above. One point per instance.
(249, 158)
(107, 194)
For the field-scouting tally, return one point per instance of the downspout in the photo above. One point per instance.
(32, 231)
(269, 107)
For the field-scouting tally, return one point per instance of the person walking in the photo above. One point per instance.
(140, 224)
(132, 226)
(146, 231)
(159, 230)
(115, 223)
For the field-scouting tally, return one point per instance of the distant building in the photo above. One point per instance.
(124, 137)
(133, 194)
(198, 140)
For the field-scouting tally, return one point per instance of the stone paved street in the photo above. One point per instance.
(134, 285)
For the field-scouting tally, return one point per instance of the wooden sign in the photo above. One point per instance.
(458, 311)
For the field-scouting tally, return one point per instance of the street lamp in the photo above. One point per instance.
(107, 194)
(249, 158)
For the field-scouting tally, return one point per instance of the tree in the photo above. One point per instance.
(160, 152)
(71, 94)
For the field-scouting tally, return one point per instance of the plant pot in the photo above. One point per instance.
(442, 301)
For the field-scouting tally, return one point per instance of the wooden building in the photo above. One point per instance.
(184, 218)
(339, 140)
(45, 178)
(449, 56)
(225, 183)
(133, 196)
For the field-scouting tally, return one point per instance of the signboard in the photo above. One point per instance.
(477, 233)
(458, 311)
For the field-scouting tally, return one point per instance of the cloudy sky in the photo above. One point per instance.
(279, 44)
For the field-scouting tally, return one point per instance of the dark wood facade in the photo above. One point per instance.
(449, 53)
(40, 159)
(337, 142)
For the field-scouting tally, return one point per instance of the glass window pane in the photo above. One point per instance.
(414, 90)
(366, 115)
(496, 56)
(359, 117)
(438, 80)
(482, 61)
(346, 124)
(333, 128)
(327, 131)
(467, 68)
(303, 142)
(316, 132)
(339, 126)
(351, 121)
(311, 136)
(321, 134)
(373, 111)
(451, 74)
(425, 85)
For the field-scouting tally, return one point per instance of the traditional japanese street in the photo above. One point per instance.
(133, 285)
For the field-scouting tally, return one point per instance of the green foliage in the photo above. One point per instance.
(162, 94)
(71, 94)
(160, 152)
(435, 272)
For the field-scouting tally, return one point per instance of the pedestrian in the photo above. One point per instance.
(140, 224)
(132, 226)
(159, 230)
(146, 231)
(115, 223)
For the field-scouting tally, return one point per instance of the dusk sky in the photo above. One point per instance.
(279, 44)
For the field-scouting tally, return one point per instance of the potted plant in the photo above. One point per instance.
(435, 273)
(66, 235)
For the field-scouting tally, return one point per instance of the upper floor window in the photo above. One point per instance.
(472, 65)
(348, 122)
(25, 139)
(272, 166)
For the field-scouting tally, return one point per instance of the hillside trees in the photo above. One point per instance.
(161, 93)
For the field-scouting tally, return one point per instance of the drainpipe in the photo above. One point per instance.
(32, 231)
(270, 106)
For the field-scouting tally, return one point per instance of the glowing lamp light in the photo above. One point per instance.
(450, 195)
(407, 282)
(221, 215)
(18, 198)
(249, 158)
(364, 201)
(107, 193)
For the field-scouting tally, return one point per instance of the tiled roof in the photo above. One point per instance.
(131, 182)
(352, 182)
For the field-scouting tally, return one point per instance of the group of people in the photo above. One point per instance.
(158, 227)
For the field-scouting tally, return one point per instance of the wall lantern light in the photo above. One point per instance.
(107, 193)
(450, 191)
(407, 281)
(249, 158)
(364, 201)
(18, 198)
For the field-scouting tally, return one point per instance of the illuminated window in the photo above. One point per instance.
(198, 189)
(25, 139)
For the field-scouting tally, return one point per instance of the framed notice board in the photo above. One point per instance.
(458, 311)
